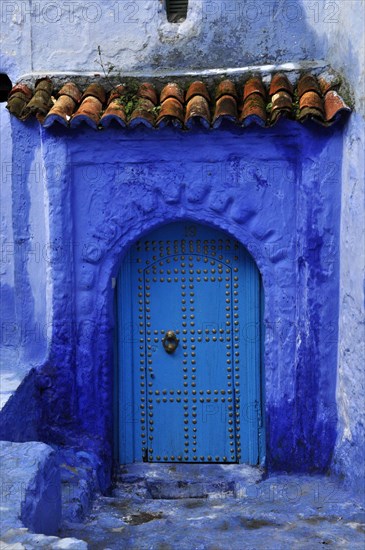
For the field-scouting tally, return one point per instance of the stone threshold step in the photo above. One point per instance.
(175, 481)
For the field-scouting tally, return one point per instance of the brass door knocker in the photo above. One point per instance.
(170, 341)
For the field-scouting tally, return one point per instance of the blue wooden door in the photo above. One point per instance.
(189, 349)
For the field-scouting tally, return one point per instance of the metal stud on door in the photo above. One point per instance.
(197, 290)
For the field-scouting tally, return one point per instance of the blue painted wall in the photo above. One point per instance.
(277, 191)
(215, 34)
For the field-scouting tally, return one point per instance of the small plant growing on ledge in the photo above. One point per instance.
(129, 96)
(128, 99)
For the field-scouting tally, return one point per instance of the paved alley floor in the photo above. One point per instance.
(281, 512)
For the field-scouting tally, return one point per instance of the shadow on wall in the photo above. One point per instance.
(218, 34)
(28, 235)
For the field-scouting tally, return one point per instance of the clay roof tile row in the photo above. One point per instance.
(251, 103)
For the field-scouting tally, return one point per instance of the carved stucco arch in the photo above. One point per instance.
(203, 213)
(113, 253)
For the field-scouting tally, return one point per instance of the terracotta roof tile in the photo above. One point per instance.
(311, 113)
(328, 82)
(254, 85)
(254, 110)
(197, 88)
(61, 111)
(311, 105)
(280, 82)
(71, 90)
(18, 98)
(225, 109)
(308, 83)
(247, 103)
(69, 97)
(226, 87)
(172, 90)
(312, 100)
(88, 112)
(143, 114)
(148, 91)
(41, 101)
(22, 88)
(95, 90)
(281, 92)
(117, 92)
(319, 101)
(197, 105)
(197, 112)
(171, 113)
(333, 106)
(114, 112)
(282, 104)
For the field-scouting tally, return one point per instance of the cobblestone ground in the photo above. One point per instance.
(277, 513)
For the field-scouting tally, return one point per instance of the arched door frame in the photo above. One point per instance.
(125, 415)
